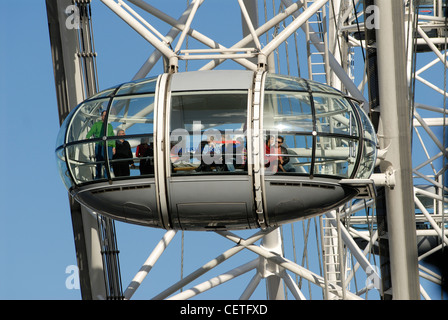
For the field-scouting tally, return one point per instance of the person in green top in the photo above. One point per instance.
(97, 131)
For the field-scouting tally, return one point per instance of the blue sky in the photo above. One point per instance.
(35, 232)
(36, 237)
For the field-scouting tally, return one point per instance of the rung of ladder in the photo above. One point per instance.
(314, 43)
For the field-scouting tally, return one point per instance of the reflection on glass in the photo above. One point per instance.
(329, 123)
(62, 168)
(368, 160)
(85, 118)
(335, 156)
(138, 87)
(334, 115)
(287, 111)
(133, 114)
(286, 83)
(368, 157)
(104, 94)
(135, 117)
(85, 163)
(60, 140)
(208, 132)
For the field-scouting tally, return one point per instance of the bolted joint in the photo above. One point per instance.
(262, 62)
(173, 65)
(386, 179)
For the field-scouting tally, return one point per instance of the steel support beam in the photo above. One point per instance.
(179, 25)
(335, 66)
(141, 30)
(62, 25)
(272, 240)
(292, 27)
(395, 136)
(274, 284)
(285, 263)
(65, 61)
(149, 263)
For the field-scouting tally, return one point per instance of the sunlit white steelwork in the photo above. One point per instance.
(357, 50)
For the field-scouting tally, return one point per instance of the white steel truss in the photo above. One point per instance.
(341, 51)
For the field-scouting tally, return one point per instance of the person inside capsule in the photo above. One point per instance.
(122, 151)
(273, 159)
(325, 136)
(283, 150)
(208, 152)
(97, 131)
(241, 154)
(228, 151)
(145, 153)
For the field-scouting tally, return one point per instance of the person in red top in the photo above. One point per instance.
(145, 151)
(273, 160)
(282, 151)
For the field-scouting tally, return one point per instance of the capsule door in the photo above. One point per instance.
(208, 183)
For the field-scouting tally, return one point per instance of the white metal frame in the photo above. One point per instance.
(241, 54)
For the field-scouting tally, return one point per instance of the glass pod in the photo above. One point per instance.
(215, 150)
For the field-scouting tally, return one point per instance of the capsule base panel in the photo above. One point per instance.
(125, 201)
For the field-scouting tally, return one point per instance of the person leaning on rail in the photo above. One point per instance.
(122, 151)
(97, 131)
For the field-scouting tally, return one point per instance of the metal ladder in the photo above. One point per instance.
(332, 258)
(316, 33)
(111, 262)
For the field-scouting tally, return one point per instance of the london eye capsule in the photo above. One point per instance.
(209, 150)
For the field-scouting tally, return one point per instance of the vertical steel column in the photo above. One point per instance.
(274, 283)
(395, 136)
(63, 40)
(373, 108)
(251, 7)
(336, 46)
(63, 24)
(272, 240)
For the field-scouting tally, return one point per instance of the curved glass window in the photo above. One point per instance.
(62, 168)
(138, 87)
(308, 129)
(86, 161)
(132, 118)
(285, 83)
(312, 129)
(109, 136)
(207, 132)
(288, 125)
(60, 140)
(369, 152)
(288, 111)
(86, 121)
(334, 115)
